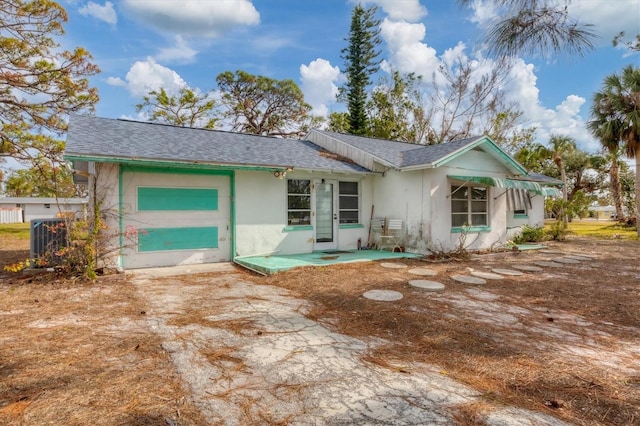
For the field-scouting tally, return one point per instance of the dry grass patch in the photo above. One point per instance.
(80, 354)
(559, 342)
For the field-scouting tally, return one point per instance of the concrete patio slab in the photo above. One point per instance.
(274, 263)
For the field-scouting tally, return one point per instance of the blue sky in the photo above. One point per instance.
(144, 44)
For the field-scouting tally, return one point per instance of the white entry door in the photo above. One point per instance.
(326, 215)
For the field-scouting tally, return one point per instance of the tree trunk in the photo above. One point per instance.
(637, 190)
(616, 188)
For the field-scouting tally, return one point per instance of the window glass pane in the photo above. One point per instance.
(459, 193)
(459, 206)
(348, 202)
(479, 220)
(348, 217)
(299, 218)
(299, 186)
(458, 219)
(348, 188)
(479, 193)
(299, 202)
(478, 206)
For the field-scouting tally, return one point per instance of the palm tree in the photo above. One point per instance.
(615, 116)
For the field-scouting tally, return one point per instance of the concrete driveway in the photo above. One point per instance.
(248, 355)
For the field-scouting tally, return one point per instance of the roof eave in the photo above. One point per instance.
(189, 164)
(504, 158)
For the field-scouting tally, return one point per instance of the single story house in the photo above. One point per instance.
(176, 195)
(24, 209)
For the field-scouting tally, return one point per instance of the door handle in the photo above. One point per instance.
(335, 216)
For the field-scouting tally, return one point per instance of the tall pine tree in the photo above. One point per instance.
(360, 62)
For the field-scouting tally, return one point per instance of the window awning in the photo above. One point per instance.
(510, 183)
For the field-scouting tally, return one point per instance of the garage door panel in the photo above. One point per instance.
(178, 218)
(177, 199)
(162, 239)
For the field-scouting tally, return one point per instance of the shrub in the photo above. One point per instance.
(557, 231)
(530, 234)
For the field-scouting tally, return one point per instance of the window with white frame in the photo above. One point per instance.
(348, 203)
(299, 202)
(469, 206)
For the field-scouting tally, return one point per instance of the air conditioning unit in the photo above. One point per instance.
(47, 237)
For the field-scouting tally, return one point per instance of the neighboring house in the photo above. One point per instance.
(176, 195)
(24, 209)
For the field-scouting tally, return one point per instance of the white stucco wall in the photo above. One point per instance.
(422, 200)
(261, 214)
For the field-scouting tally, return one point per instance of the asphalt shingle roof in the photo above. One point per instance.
(123, 139)
(402, 154)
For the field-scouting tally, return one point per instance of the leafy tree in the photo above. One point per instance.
(615, 114)
(393, 109)
(187, 109)
(264, 106)
(41, 180)
(40, 83)
(562, 159)
(338, 122)
(360, 62)
(537, 27)
(504, 130)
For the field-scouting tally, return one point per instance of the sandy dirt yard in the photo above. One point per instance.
(557, 344)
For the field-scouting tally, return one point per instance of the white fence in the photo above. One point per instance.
(11, 215)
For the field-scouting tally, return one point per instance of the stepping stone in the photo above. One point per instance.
(528, 268)
(547, 264)
(393, 265)
(427, 285)
(383, 295)
(425, 272)
(507, 272)
(550, 251)
(576, 257)
(468, 280)
(566, 260)
(487, 275)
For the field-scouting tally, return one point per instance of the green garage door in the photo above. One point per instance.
(175, 218)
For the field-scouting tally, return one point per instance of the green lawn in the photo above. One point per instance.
(607, 229)
(16, 230)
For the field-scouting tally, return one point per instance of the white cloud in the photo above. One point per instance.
(181, 52)
(318, 84)
(405, 10)
(104, 13)
(564, 119)
(149, 75)
(609, 17)
(407, 53)
(195, 18)
(483, 12)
